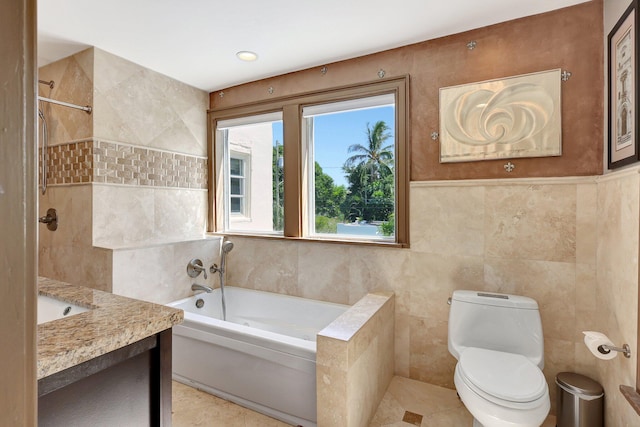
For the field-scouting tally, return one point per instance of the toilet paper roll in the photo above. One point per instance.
(593, 340)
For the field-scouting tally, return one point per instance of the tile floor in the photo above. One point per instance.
(406, 403)
(410, 403)
(193, 408)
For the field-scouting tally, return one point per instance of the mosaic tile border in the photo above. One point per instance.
(68, 163)
(114, 163)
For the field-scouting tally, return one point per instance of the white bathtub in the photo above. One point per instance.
(263, 357)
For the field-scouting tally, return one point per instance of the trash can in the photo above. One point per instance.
(580, 401)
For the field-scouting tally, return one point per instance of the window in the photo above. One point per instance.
(333, 165)
(351, 163)
(237, 185)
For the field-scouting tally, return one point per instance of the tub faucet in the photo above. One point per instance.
(196, 287)
(195, 267)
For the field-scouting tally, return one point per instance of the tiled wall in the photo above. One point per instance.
(569, 243)
(138, 106)
(354, 362)
(532, 237)
(615, 299)
(158, 273)
(128, 177)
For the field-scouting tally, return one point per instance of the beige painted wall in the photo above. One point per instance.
(18, 202)
(568, 38)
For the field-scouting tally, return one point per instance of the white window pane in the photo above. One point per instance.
(236, 205)
(236, 187)
(235, 167)
(250, 120)
(352, 191)
(387, 100)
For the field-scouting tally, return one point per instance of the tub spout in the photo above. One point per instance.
(196, 287)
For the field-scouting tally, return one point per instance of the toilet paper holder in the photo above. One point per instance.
(606, 349)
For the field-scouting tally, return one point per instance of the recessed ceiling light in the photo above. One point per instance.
(246, 55)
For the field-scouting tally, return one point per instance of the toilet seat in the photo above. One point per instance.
(505, 379)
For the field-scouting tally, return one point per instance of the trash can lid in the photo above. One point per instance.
(577, 383)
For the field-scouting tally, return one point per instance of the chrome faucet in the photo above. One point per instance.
(196, 287)
(195, 267)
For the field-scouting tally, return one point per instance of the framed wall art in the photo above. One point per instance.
(623, 90)
(513, 117)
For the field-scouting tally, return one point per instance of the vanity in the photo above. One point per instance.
(105, 360)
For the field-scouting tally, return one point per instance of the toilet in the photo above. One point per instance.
(498, 342)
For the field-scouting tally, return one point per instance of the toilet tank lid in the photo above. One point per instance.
(495, 299)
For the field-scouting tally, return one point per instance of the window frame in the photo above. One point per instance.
(295, 182)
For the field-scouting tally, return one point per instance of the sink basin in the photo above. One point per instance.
(50, 309)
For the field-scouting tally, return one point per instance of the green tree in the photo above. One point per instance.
(278, 187)
(376, 157)
(370, 174)
(328, 196)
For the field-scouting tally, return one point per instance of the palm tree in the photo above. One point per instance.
(370, 175)
(377, 158)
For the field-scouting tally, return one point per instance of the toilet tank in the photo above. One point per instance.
(502, 322)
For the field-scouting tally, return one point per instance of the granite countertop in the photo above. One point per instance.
(114, 322)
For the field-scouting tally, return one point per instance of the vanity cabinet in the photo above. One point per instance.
(108, 366)
(130, 386)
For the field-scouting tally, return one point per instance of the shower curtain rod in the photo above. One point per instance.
(86, 109)
(49, 83)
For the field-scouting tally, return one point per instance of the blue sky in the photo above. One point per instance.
(334, 133)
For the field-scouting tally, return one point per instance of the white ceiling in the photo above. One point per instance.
(195, 41)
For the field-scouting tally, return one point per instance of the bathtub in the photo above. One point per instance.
(263, 357)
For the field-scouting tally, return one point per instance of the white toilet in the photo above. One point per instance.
(497, 339)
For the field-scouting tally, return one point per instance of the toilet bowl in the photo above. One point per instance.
(501, 389)
(498, 341)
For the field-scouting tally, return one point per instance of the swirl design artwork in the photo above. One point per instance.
(499, 119)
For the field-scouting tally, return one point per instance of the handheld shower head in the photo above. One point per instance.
(227, 246)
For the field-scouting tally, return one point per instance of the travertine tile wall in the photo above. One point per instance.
(615, 299)
(73, 82)
(68, 254)
(570, 243)
(354, 363)
(130, 175)
(157, 273)
(138, 106)
(533, 237)
(128, 216)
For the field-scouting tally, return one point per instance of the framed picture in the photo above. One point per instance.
(623, 90)
(512, 117)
